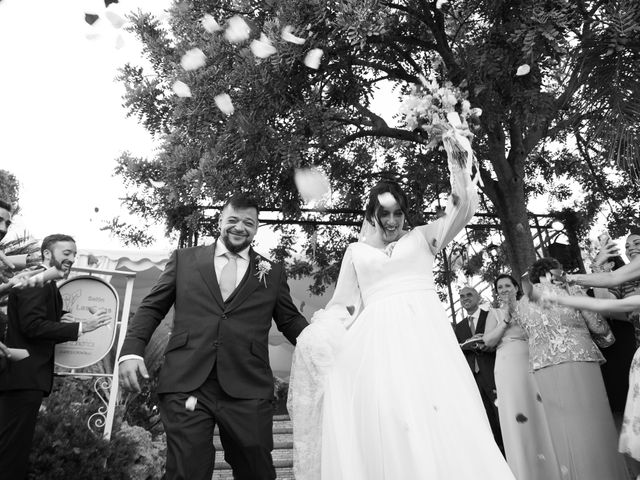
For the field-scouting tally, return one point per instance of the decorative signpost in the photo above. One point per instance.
(82, 296)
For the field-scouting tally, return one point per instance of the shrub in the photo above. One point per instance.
(65, 448)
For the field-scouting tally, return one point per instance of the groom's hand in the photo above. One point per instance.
(129, 370)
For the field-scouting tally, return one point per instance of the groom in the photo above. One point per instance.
(216, 367)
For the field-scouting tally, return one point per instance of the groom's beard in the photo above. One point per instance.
(232, 247)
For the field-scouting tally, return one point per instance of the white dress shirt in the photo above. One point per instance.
(475, 315)
(219, 261)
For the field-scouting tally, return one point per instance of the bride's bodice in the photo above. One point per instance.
(370, 274)
(407, 267)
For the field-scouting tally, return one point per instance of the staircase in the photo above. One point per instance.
(282, 451)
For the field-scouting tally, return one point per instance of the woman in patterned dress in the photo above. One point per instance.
(566, 365)
(630, 304)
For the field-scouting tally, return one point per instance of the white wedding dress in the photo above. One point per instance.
(379, 387)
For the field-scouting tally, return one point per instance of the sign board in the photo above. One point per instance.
(79, 296)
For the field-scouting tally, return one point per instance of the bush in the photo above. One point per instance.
(64, 448)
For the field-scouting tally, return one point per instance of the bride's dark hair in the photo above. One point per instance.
(372, 210)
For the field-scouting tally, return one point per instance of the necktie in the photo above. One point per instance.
(228, 275)
(472, 327)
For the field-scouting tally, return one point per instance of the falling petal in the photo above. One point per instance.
(91, 18)
(312, 60)
(288, 36)
(521, 418)
(262, 48)
(190, 404)
(541, 457)
(193, 59)
(237, 31)
(440, 3)
(209, 24)
(223, 102)
(181, 89)
(119, 42)
(156, 183)
(523, 70)
(387, 200)
(476, 112)
(312, 184)
(116, 20)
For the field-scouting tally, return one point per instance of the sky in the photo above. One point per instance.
(61, 121)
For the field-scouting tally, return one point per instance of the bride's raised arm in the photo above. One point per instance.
(461, 207)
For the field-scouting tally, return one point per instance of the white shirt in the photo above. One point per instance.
(475, 315)
(219, 261)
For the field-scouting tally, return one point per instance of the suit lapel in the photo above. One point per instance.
(249, 283)
(204, 261)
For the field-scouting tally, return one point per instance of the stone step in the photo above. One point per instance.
(281, 427)
(282, 453)
(282, 474)
(281, 444)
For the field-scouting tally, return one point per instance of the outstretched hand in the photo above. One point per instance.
(95, 321)
(129, 372)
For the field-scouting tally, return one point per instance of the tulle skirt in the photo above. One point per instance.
(399, 399)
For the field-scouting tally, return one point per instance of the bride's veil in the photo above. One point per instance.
(367, 231)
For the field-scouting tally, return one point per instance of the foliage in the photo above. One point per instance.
(64, 447)
(9, 187)
(583, 72)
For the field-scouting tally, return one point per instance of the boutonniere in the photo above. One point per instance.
(264, 268)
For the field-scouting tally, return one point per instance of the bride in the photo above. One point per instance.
(379, 388)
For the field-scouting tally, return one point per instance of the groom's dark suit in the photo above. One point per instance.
(218, 353)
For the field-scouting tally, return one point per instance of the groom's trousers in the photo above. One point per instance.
(245, 426)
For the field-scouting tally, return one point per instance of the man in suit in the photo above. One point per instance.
(35, 315)
(216, 367)
(481, 359)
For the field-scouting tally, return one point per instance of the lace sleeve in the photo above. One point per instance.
(461, 206)
(316, 349)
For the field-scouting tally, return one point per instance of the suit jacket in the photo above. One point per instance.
(34, 324)
(486, 360)
(208, 331)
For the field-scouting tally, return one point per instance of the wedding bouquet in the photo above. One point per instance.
(443, 113)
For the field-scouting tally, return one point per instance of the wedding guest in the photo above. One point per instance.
(5, 217)
(566, 365)
(523, 422)
(625, 326)
(481, 358)
(630, 434)
(34, 325)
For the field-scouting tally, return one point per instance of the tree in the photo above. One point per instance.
(9, 187)
(543, 73)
